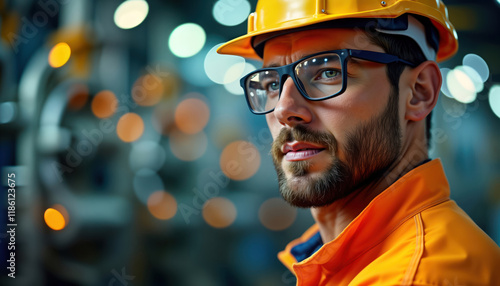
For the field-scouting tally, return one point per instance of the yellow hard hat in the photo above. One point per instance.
(273, 16)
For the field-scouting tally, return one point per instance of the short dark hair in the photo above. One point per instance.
(407, 49)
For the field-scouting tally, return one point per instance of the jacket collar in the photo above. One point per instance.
(419, 189)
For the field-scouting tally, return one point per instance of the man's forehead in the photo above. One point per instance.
(303, 43)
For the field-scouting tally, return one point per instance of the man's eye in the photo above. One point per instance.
(329, 74)
(273, 86)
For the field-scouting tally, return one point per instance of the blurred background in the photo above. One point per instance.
(137, 162)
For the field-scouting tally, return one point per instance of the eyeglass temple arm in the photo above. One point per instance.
(378, 57)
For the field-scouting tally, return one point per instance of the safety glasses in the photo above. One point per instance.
(317, 77)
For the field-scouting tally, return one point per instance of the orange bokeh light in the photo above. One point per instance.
(54, 219)
(104, 104)
(240, 160)
(63, 211)
(59, 55)
(148, 90)
(162, 205)
(219, 212)
(276, 214)
(191, 115)
(130, 127)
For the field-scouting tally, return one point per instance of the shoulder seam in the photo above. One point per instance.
(417, 254)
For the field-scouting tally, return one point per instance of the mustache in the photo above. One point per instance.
(302, 133)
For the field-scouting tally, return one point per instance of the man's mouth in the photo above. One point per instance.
(297, 151)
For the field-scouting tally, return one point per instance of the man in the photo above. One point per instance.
(347, 89)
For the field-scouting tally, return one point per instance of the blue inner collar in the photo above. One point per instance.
(307, 248)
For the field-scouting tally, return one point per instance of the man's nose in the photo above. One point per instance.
(292, 108)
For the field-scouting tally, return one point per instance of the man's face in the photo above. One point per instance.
(326, 150)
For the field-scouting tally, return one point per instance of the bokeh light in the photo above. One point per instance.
(59, 55)
(78, 96)
(187, 40)
(461, 86)
(276, 214)
(494, 99)
(444, 85)
(473, 76)
(130, 127)
(478, 64)
(234, 86)
(219, 212)
(54, 219)
(131, 13)
(162, 205)
(104, 104)
(145, 183)
(191, 115)
(188, 147)
(61, 209)
(231, 13)
(147, 154)
(147, 90)
(216, 66)
(463, 83)
(240, 160)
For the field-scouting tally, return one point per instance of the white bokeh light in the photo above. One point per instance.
(131, 13)
(478, 64)
(473, 76)
(234, 86)
(187, 40)
(444, 86)
(461, 86)
(494, 99)
(231, 12)
(217, 65)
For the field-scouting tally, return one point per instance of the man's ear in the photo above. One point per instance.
(425, 81)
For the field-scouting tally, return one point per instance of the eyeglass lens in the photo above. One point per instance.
(316, 77)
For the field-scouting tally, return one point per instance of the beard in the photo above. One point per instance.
(369, 152)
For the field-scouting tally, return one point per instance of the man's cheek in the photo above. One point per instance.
(273, 125)
(274, 132)
(269, 119)
(340, 153)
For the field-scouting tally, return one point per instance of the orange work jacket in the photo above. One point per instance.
(410, 234)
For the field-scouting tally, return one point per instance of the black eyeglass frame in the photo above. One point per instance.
(344, 54)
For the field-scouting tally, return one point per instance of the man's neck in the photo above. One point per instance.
(334, 218)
